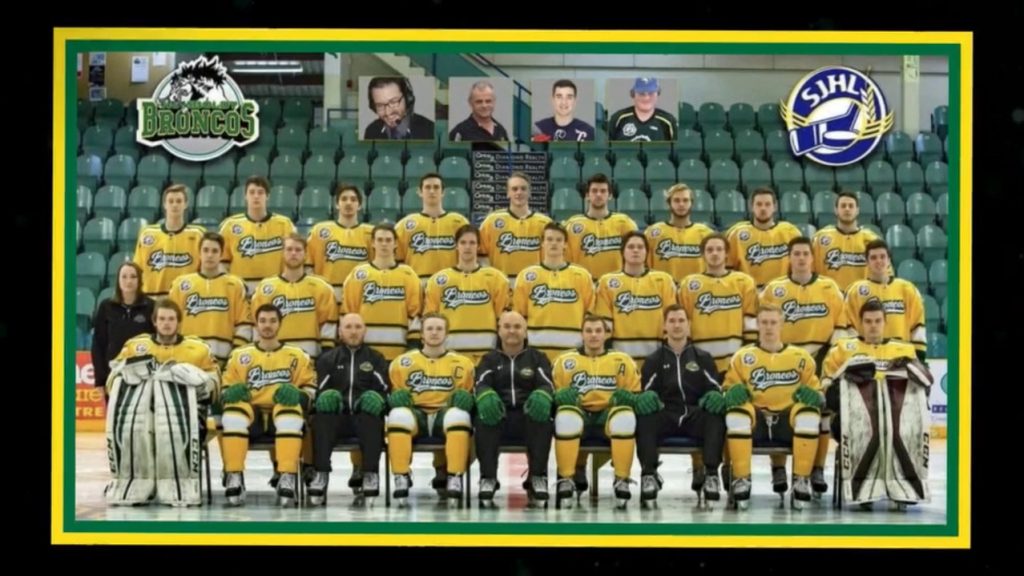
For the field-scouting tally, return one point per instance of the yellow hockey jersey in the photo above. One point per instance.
(472, 303)
(309, 314)
(813, 314)
(596, 244)
(772, 377)
(722, 312)
(554, 303)
(849, 348)
(264, 369)
(184, 350)
(763, 254)
(595, 378)
(165, 255)
(255, 250)
(431, 380)
(676, 250)
(840, 255)
(510, 243)
(214, 309)
(904, 309)
(333, 250)
(426, 244)
(635, 304)
(387, 299)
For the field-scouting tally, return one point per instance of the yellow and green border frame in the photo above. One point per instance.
(955, 533)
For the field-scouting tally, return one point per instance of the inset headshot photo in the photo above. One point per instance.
(563, 110)
(641, 106)
(389, 112)
(480, 109)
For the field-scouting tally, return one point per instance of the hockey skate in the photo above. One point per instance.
(779, 484)
(622, 493)
(648, 491)
(287, 489)
(234, 488)
(370, 487)
(712, 486)
(355, 481)
(818, 484)
(453, 489)
(801, 493)
(564, 492)
(537, 491)
(318, 489)
(739, 494)
(401, 492)
(488, 486)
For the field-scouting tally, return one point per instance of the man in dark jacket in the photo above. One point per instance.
(514, 395)
(685, 379)
(352, 382)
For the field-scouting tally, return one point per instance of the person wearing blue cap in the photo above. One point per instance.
(643, 121)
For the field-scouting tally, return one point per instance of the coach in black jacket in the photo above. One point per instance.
(352, 383)
(514, 395)
(686, 381)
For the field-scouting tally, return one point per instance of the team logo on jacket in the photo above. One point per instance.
(744, 235)
(836, 259)
(825, 240)
(324, 233)
(293, 305)
(236, 229)
(779, 291)
(593, 245)
(361, 274)
(410, 224)
(693, 285)
(366, 367)
(758, 254)
(334, 252)
(692, 366)
(373, 293)
(405, 362)
(569, 364)
(267, 289)
(577, 228)
(530, 276)
(708, 303)
(614, 283)
(453, 298)
(863, 290)
(148, 240)
(526, 373)
(250, 247)
(749, 359)
(421, 243)
(420, 382)
(794, 311)
(185, 286)
(140, 348)
(509, 243)
(627, 302)
(542, 295)
(499, 223)
(441, 279)
(836, 116)
(245, 359)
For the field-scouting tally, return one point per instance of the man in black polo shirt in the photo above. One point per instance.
(643, 121)
(481, 126)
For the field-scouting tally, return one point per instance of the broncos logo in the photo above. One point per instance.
(199, 80)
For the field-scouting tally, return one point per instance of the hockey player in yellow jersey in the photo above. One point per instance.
(814, 318)
(470, 296)
(431, 397)
(161, 385)
(170, 249)
(309, 313)
(634, 300)
(267, 389)
(338, 246)
(759, 247)
(553, 297)
(772, 393)
(674, 246)
(839, 249)
(904, 307)
(595, 238)
(426, 241)
(595, 392)
(881, 390)
(254, 240)
(214, 304)
(721, 304)
(510, 240)
(386, 294)
(813, 309)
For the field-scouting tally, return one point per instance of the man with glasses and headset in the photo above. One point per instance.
(393, 100)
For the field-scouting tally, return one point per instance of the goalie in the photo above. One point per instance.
(160, 387)
(879, 390)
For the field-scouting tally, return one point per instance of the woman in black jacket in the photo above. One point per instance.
(126, 314)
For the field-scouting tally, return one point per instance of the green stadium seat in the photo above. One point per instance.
(902, 243)
(711, 117)
(212, 202)
(455, 171)
(936, 178)
(795, 207)
(724, 175)
(110, 202)
(891, 210)
(920, 210)
(909, 178)
(938, 276)
(756, 174)
(741, 117)
(689, 145)
(881, 178)
(898, 147)
(90, 270)
(634, 203)
(153, 170)
(283, 200)
(220, 172)
(932, 243)
(565, 203)
(769, 118)
(749, 146)
(913, 271)
(128, 233)
(787, 175)
(286, 171)
(144, 202)
(316, 203)
(320, 170)
(927, 148)
(823, 207)
(730, 208)
(384, 204)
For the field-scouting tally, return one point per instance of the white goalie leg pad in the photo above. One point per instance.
(622, 423)
(401, 420)
(907, 439)
(176, 435)
(738, 423)
(568, 423)
(861, 442)
(806, 423)
(456, 419)
(130, 442)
